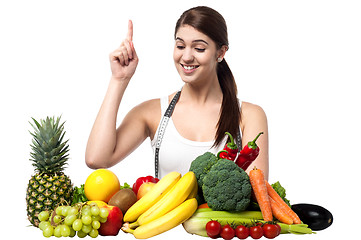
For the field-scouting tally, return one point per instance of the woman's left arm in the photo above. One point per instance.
(254, 121)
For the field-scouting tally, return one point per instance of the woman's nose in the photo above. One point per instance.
(187, 56)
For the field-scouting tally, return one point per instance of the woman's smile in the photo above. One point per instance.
(189, 68)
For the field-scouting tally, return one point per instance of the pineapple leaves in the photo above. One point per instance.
(49, 151)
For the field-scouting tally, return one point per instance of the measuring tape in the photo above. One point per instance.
(163, 125)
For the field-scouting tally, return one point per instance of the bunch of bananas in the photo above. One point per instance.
(169, 203)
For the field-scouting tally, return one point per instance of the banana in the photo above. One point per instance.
(194, 191)
(151, 197)
(168, 221)
(178, 194)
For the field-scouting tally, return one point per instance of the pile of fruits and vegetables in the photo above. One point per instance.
(215, 199)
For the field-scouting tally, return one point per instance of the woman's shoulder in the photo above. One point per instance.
(251, 112)
(251, 108)
(148, 106)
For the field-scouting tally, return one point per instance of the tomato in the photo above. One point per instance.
(242, 232)
(270, 230)
(213, 229)
(227, 232)
(256, 232)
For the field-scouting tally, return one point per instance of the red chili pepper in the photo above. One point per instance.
(223, 154)
(230, 148)
(142, 180)
(248, 154)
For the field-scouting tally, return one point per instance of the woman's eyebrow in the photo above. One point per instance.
(194, 41)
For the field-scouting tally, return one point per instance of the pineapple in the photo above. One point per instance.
(49, 187)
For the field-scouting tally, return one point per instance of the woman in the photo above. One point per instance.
(206, 107)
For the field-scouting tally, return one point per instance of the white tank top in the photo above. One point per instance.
(176, 152)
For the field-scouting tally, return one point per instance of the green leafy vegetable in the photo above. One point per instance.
(126, 185)
(79, 194)
(281, 191)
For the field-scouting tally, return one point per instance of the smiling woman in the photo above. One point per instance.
(189, 122)
(206, 30)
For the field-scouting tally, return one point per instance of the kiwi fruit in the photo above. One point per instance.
(123, 199)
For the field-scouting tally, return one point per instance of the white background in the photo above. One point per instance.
(299, 60)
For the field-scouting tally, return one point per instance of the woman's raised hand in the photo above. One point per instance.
(124, 60)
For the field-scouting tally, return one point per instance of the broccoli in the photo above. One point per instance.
(201, 166)
(227, 187)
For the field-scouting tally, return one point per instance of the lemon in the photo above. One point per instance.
(101, 185)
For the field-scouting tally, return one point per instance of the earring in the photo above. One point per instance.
(219, 59)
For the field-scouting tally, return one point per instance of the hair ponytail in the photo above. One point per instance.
(211, 23)
(230, 110)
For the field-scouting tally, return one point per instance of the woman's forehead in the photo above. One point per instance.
(188, 33)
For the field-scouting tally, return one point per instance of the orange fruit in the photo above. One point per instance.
(101, 185)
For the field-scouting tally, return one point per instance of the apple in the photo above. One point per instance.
(114, 220)
(144, 188)
(142, 180)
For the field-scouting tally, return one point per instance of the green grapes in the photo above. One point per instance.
(48, 231)
(65, 230)
(86, 219)
(44, 224)
(93, 233)
(77, 224)
(69, 219)
(96, 225)
(43, 216)
(57, 219)
(95, 210)
(103, 213)
(80, 219)
(81, 234)
(86, 228)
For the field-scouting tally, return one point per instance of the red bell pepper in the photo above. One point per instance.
(230, 148)
(142, 180)
(248, 154)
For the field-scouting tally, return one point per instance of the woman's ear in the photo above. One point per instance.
(221, 52)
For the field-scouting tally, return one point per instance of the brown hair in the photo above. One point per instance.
(211, 23)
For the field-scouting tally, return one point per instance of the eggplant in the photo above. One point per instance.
(316, 217)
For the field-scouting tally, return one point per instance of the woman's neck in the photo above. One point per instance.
(206, 92)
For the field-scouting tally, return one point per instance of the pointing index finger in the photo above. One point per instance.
(130, 31)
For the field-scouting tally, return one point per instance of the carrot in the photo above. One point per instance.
(260, 191)
(279, 213)
(285, 208)
(204, 205)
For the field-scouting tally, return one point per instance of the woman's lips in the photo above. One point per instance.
(189, 68)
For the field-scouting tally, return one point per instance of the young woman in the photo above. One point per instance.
(198, 116)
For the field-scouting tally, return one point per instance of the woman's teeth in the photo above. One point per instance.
(189, 67)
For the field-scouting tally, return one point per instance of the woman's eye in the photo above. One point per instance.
(180, 47)
(200, 49)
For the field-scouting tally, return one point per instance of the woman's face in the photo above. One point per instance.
(195, 55)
